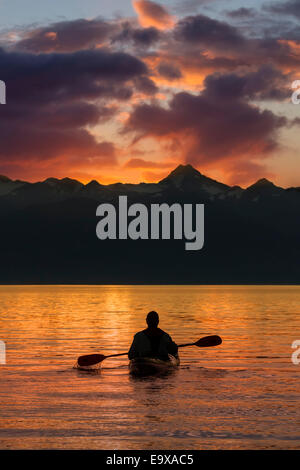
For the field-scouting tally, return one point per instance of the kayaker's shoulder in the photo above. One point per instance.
(164, 333)
(159, 332)
(139, 334)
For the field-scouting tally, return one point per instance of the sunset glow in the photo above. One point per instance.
(128, 98)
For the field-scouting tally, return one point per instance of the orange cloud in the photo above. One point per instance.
(140, 163)
(51, 35)
(154, 177)
(153, 14)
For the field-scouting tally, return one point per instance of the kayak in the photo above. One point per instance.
(151, 365)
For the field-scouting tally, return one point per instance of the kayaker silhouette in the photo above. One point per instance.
(152, 342)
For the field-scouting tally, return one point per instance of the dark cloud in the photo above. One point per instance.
(241, 13)
(67, 36)
(145, 85)
(106, 149)
(273, 51)
(204, 44)
(188, 42)
(53, 102)
(290, 7)
(29, 143)
(292, 33)
(57, 130)
(220, 124)
(169, 71)
(259, 23)
(144, 37)
(82, 74)
(205, 31)
(266, 83)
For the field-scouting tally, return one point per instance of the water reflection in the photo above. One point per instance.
(248, 384)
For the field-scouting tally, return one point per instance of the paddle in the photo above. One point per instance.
(92, 359)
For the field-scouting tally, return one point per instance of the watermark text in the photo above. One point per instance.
(2, 92)
(2, 352)
(296, 94)
(296, 354)
(159, 222)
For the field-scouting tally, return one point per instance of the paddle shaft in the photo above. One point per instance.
(125, 354)
(116, 355)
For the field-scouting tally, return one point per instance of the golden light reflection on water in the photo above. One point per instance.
(243, 394)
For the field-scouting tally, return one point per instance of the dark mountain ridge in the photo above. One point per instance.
(183, 179)
(48, 233)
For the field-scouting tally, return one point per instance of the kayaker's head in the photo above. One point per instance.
(152, 319)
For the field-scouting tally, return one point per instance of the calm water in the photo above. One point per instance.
(243, 394)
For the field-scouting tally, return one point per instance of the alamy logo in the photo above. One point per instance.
(296, 354)
(158, 227)
(2, 352)
(2, 92)
(296, 94)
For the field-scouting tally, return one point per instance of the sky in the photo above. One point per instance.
(121, 90)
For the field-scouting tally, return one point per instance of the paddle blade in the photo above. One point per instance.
(208, 341)
(90, 360)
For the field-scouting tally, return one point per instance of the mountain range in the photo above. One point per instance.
(184, 179)
(48, 233)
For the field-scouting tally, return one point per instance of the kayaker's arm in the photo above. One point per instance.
(133, 352)
(172, 346)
